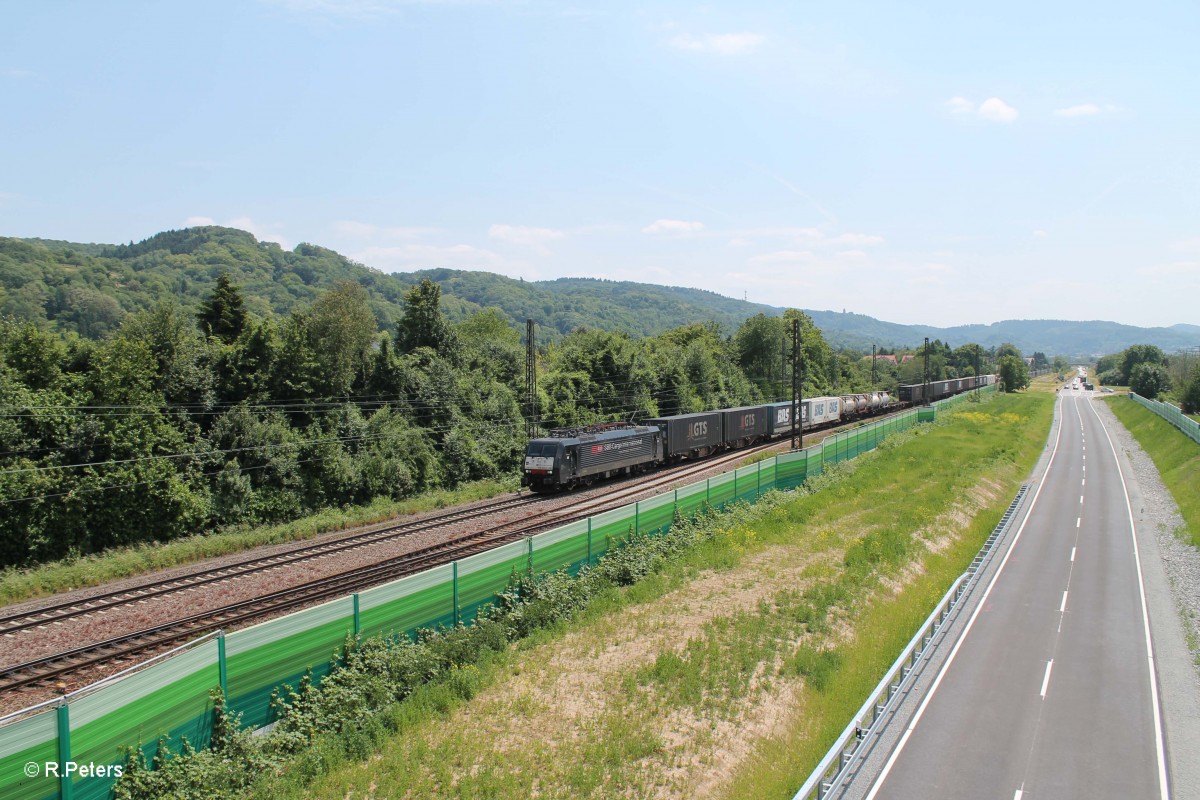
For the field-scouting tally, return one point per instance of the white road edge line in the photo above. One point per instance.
(1063, 606)
(891, 762)
(1164, 789)
(1046, 680)
(1072, 553)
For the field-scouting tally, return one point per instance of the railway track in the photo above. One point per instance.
(115, 651)
(59, 612)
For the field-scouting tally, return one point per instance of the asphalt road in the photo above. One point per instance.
(1050, 691)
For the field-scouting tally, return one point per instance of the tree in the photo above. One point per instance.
(1191, 394)
(1014, 374)
(1007, 349)
(423, 324)
(222, 314)
(969, 358)
(759, 345)
(1139, 354)
(341, 329)
(1149, 380)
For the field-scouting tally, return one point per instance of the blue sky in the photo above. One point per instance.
(945, 163)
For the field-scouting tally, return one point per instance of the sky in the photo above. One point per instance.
(936, 163)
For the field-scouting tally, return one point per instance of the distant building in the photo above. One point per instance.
(881, 358)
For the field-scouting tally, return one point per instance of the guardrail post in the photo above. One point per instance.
(454, 574)
(64, 749)
(637, 515)
(530, 540)
(589, 541)
(223, 665)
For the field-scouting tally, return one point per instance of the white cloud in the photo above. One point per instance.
(997, 110)
(673, 226)
(725, 44)
(852, 254)
(1083, 110)
(1040, 234)
(18, 73)
(960, 105)
(525, 236)
(993, 109)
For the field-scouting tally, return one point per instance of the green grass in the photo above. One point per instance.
(1176, 456)
(17, 585)
(829, 553)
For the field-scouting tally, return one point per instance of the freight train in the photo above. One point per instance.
(579, 456)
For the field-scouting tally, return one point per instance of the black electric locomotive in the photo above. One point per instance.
(575, 456)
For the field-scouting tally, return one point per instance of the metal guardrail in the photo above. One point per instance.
(830, 772)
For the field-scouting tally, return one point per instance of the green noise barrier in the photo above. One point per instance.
(71, 748)
(1171, 414)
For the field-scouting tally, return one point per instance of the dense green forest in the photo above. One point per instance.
(182, 421)
(134, 408)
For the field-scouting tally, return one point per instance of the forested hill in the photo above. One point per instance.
(563, 305)
(90, 288)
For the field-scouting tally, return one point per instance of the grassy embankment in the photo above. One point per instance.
(59, 576)
(1176, 456)
(729, 672)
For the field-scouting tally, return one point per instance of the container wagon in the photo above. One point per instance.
(689, 435)
(745, 425)
(823, 410)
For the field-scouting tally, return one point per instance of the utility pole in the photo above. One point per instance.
(925, 394)
(872, 367)
(797, 388)
(977, 375)
(782, 361)
(531, 425)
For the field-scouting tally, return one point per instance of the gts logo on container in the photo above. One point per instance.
(697, 430)
(746, 423)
